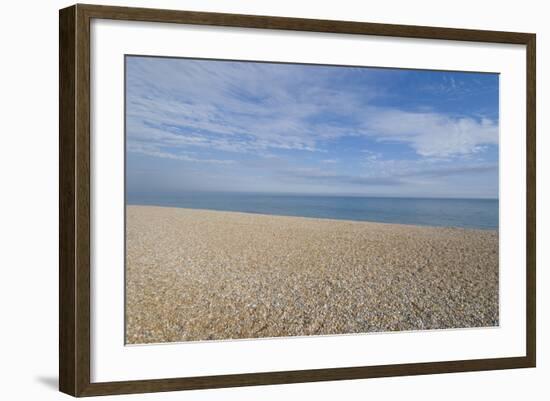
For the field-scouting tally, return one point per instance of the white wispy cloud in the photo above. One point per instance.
(151, 150)
(432, 134)
(248, 107)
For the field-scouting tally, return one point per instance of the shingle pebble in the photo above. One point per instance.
(209, 275)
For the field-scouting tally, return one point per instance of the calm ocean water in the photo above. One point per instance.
(468, 213)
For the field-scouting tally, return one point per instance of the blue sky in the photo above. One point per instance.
(205, 125)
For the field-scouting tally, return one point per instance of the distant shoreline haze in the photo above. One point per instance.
(443, 212)
(312, 194)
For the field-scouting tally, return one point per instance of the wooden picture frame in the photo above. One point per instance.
(74, 200)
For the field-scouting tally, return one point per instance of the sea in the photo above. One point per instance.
(465, 213)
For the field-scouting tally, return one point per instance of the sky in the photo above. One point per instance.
(238, 126)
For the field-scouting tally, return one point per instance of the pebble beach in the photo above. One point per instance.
(197, 275)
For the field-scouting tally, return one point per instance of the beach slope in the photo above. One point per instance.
(211, 275)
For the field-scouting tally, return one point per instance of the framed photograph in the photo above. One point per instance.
(250, 200)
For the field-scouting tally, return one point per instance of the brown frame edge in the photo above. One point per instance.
(74, 199)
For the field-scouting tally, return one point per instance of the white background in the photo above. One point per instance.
(28, 209)
(112, 361)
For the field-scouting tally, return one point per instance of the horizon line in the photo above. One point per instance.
(276, 193)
